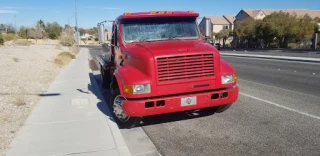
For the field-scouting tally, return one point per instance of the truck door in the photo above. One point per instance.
(115, 45)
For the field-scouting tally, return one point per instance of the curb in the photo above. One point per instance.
(143, 148)
(285, 58)
(118, 138)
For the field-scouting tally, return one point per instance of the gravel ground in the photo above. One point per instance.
(25, 72)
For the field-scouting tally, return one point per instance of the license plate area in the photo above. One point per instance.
(188, 101)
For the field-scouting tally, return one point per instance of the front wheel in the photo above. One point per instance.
(118, 113)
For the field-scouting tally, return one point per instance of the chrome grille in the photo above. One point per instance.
(185, 67)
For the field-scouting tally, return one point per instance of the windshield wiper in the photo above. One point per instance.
(176, 37)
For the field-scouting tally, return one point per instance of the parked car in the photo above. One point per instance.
(217, 46)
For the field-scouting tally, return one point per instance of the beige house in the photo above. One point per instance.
(3, 30)
(218, 23)
(261, 13)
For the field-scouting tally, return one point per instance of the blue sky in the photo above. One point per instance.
(90, 12)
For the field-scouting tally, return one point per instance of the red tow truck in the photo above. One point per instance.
(160, 64)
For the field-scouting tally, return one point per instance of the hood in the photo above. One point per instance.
(174, 47)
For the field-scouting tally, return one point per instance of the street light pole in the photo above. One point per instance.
(76, 18)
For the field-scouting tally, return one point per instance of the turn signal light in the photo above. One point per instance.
(127, 89)
(169, 12)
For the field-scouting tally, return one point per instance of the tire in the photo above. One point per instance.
(129, 122)
(105, 77)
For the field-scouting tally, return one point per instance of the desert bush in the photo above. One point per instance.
(15, 59)
(63, 58)
(22, 42)
(74, 50)
(1, 40)
(292, 45)
(66, 38)
(9, 37)
(58, 62)
(96, 39)
(19, 101)
(67, 55)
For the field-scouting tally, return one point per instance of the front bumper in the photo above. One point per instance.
(173, 103)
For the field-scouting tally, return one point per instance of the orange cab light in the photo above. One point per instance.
(120, 57)
(161, 12)
(127, 13)
(153, 12)
(191, 12)
(127, 89)
(169, 12)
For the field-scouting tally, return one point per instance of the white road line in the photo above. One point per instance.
(280, 88)
(253, 58)
(278, 105)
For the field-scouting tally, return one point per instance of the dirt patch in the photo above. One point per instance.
(26, 72)
(93, 66)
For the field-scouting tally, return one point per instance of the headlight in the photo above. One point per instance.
(137, 89)
(226, 79)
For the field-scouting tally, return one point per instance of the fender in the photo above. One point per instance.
(128, 75)
(225, 69)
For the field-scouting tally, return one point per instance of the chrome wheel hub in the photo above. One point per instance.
(118, 110)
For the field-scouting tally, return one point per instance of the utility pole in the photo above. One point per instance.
(76, 18)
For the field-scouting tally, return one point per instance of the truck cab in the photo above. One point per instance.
(159, 63)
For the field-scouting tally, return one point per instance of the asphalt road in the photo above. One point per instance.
(277, 113)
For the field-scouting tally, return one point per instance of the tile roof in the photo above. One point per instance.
(298, 12)
(230, 18)
(218, 20)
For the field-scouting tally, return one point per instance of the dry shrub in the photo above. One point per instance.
(66, 38)
(22, 42)
(63, 58)
(19, 101)
(1, 40)
(58, 62)
(15, 59)
(9, 37)
(74, 50)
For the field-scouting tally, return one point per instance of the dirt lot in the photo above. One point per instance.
(25, 72)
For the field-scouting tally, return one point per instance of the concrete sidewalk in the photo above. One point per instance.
(70, 119)
(287, 58)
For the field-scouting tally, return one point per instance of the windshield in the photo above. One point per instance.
(155, 30)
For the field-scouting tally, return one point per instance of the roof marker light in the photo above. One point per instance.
(127, 13)
(169, 12)
(153, 12)
(191, 12)
(161, 12)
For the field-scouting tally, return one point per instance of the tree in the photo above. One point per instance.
(41, 23)
(53, 30)
(224, 36)
(304, 30)
(22, 32)
(246, 30)
(37, 33)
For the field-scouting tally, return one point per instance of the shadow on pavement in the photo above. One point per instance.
(49, 94)
(94, 88)
(173, 117)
